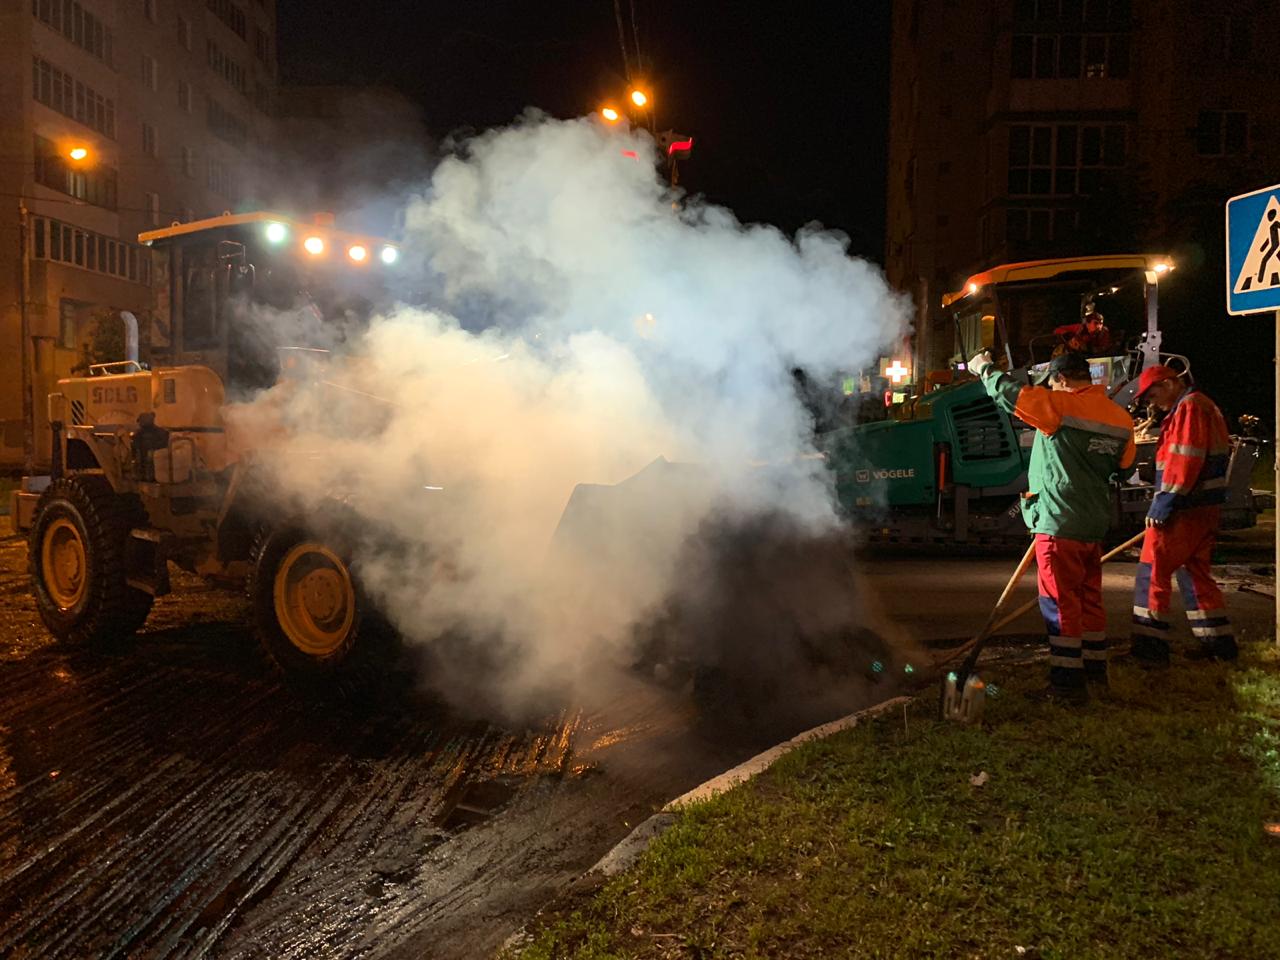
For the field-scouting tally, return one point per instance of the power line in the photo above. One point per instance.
(622, 38)
(635, 39)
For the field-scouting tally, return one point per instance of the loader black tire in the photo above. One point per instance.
(322, 638)
(76, 558)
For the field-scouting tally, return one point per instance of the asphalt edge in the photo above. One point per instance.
(630, 848)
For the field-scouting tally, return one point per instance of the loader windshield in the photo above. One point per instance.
(1096, 308)
(246, 286)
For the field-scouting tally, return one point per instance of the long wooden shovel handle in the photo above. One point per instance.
(1018, 573)
(974, 646)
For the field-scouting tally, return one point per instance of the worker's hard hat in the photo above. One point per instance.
(1071, 364)
(1153, 375)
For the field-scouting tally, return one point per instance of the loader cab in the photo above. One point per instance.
(239, 292)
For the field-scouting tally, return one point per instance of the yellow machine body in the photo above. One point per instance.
(185, 400)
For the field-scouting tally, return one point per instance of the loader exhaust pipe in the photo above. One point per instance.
(130, 335)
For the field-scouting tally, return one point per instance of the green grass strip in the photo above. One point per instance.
(1130, 828)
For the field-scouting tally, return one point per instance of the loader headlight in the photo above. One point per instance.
(389, 255)
(357, 253)
(313, 245)
(276, 232)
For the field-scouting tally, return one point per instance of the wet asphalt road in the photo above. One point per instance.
(171, 800)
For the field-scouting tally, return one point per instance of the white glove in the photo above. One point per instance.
(980, 362)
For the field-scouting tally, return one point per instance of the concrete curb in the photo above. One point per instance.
(627, 851)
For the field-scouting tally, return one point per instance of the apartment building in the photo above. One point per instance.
(116, 116)
(1022, 129)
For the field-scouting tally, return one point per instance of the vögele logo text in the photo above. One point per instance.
(905, 473)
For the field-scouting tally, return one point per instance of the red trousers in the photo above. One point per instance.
(1070, 581)
(1181, 547)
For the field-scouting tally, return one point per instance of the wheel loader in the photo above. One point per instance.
(146, 468)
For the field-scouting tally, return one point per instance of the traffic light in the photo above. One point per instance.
(675, 146)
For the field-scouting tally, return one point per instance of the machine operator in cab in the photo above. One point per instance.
(1082, 440)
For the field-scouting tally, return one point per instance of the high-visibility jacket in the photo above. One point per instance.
(1083, 439)
(1192, 457)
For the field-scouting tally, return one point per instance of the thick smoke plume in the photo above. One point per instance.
(581, 321)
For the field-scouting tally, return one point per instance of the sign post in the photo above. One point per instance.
(1253, 286)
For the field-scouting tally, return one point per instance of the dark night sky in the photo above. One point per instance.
(788, 109)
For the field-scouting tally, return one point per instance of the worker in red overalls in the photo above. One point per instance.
(1182, 522)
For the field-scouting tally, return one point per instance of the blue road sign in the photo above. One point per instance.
(1253, 252)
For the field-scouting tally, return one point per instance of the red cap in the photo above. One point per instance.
(1153, 375)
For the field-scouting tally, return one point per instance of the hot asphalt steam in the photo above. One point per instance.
(582, 321)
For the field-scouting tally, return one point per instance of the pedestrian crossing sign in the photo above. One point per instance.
(1253, 252)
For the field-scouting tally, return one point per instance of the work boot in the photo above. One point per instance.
(1149, 652)
(1219, 648)
(1073, 696)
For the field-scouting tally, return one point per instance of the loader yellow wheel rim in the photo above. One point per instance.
(63, 563)
(314, 599)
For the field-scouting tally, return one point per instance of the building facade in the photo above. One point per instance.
(1022, 129)
(116, 116)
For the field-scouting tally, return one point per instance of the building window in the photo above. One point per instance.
(153, 208)
(1074, 11)
(1070, 56)
(224, 66)
(1064, 159)
(91, 251)
(184, 33)
(230, 14)
(149, 145)
(188, 162)
(71, 98)
(150, 72)
(76, 24)
(1227, 39)
(184, 96)
(1222, 133)
(96, 184)
(262, 46)
(1038, 225)
(149, 10)
(218, 180)
(226, 125)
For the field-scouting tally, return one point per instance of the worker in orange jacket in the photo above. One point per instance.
(1182, 522)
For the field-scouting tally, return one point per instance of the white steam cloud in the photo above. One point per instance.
(585, 320)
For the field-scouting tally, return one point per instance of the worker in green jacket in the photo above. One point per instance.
(1082, 440)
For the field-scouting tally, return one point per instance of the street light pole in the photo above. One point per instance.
(24, 353)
